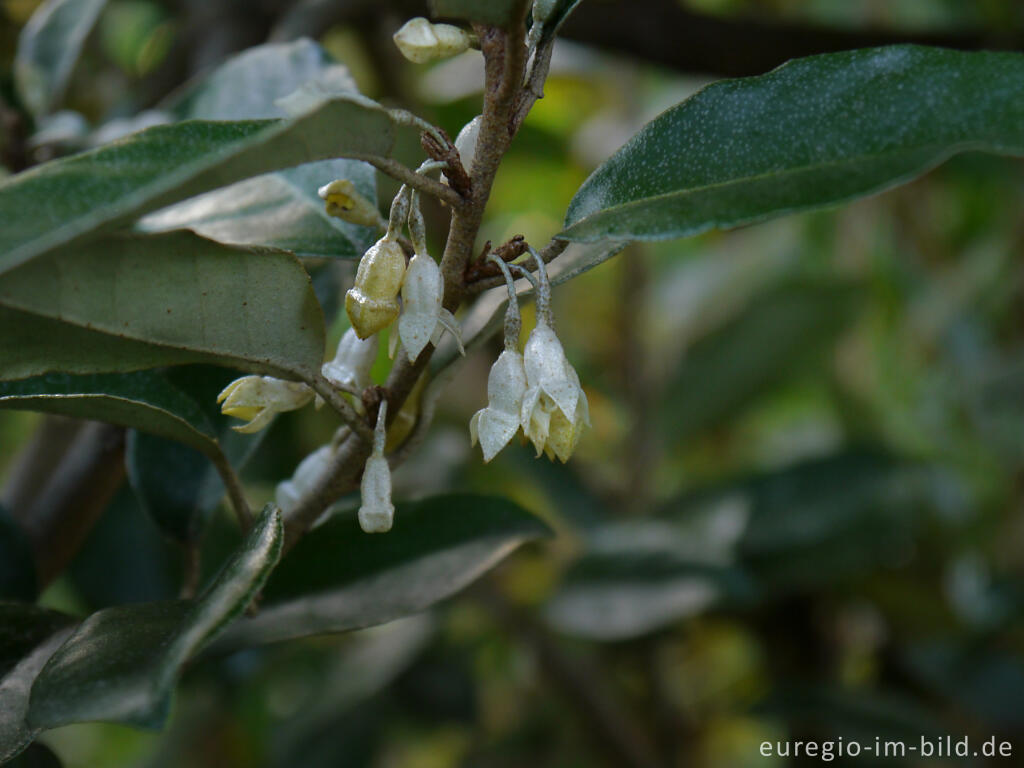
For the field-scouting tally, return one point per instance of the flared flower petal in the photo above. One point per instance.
(259, 398)
(350, 368)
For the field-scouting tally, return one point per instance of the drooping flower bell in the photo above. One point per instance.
(377, 513)
(350, 368)
(372, 303)
(290, 492)
(343, 202)
(423, 318)
(495, 425)
(421, 41)
(259, 398)
(555, 408)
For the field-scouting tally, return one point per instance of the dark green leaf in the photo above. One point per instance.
(815, 132)
(282, 209)
(339, 578)
(48, 48)
(145, 400)
(178, 486)
(774, 336)
(17, 566)
(497, 13)
(121, 664)
(57, 203)
(36, 756)
(562, 10)
(127, 302)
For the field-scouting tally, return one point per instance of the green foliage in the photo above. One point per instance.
(48, 47)
(815, 132)
(64, 319)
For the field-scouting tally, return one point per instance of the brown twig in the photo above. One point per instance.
(482, 267)
(418, 181)
(489, 272)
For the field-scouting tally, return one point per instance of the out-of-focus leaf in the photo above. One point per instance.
(497, 13)
(36, 756)
(282, 209)
(338, 578)
(987, 682)
(126, 302)
(634, 578)
(178, 486)
(144, 399)
(772, 338)
(48, 48)
(822, 519)
(815, 132)
(17, 566)
(562, 10)
(28, 637)
(56, 203)
(121, 664)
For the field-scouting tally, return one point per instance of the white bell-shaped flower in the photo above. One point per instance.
(259, 398)
(495, 425)
(290, 492)
(421, 41)
(377, 513)
(350, 368)
(423, 318)
(555, 409)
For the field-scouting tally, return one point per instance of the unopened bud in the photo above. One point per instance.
(259, 398)
(420, 41)
(372, 303)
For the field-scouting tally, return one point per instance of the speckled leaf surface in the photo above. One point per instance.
(280, 209)
(121, 663)
(815, 132)
(338, 578)
(127, 302)
(49, 46)
(56, 203)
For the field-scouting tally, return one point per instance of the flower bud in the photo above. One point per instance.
(496, 424)
(465, 142)
(372, 303)
(423, 318)
(350, 368)
(420, 41)
(259, 398)
(376, 512)
(344, 202)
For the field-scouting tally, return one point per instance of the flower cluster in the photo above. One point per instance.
(537, 391)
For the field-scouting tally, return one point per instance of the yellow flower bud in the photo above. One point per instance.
(420, 41)
(372, 303)
(344, 202)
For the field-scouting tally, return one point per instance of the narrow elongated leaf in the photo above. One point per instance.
(48, 48)
(561, 11)
(339, 578)
(126, 302)
(56, 203)
(815, 132)
(280, 209)
(121, 663)
(497, 13)
(779, 332)
(144, 399)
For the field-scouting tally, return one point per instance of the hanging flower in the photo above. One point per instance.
(423, 318)
(554, 409)
(421, 41)
(259, 398)
(350, 368)
(376, 513)
(495, 425)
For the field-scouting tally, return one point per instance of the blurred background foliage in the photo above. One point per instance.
(800, 512)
